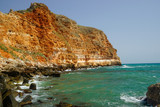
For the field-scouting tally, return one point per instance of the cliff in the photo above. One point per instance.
(38, 37)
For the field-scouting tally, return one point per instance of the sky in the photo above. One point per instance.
(132, 26)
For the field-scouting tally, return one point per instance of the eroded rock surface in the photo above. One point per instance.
(38, 37)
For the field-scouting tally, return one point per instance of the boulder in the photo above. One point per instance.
(10, 101)
(20, 94)
(63, 104)
(1, 100)
(14, 93)
(20, 80)
(33, 86)
(18, 88)
(7, 98)
(153, 96)
(26, 100)
(25, 81)
(144, 101)
(27, 91)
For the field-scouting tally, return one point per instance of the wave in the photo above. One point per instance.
(129, 99)
(67, 70)
(144, 66)
(24, 87)
(75, 73)
(125, 66)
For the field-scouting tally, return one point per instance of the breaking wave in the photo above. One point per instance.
(125, 66)
(129, 99)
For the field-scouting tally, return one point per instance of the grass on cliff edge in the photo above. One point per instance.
(11, 50)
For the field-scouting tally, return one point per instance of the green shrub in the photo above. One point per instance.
(3, 47)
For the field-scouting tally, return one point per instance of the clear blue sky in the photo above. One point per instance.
(132, 26)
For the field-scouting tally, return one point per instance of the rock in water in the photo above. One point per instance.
(56, 75)
(153, 96)
(6, 95)
(26, 100)
(144, 101)
(27, 91)
(33, 86)
(10, 101)
(39, 101)
(64, 104)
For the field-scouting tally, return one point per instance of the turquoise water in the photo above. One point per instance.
(115, 86)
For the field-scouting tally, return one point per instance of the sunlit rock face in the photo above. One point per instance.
(40, 37)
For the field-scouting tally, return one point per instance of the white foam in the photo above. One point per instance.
(68, 70)
(129, 99)
(24, 87)
(37, 76)
(19, 91)
(90, 68)
(125, 66)
(35, 97)
(59, 71)
(18, 83)
(19, 99)
(33, 81)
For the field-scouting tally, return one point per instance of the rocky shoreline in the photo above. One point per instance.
(11, 84)
(16, 73)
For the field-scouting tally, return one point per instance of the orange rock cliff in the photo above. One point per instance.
(38, 37)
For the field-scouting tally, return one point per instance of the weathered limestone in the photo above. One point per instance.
(38, 38)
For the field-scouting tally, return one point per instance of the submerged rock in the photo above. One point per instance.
(49, 98)
(33, 86)
(39, 101)
(143, 101)
(64, 104)
(153, 94)
(56, 75)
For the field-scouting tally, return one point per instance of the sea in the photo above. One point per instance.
(108, 86)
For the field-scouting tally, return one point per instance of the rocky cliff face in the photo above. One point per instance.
(38, 37)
